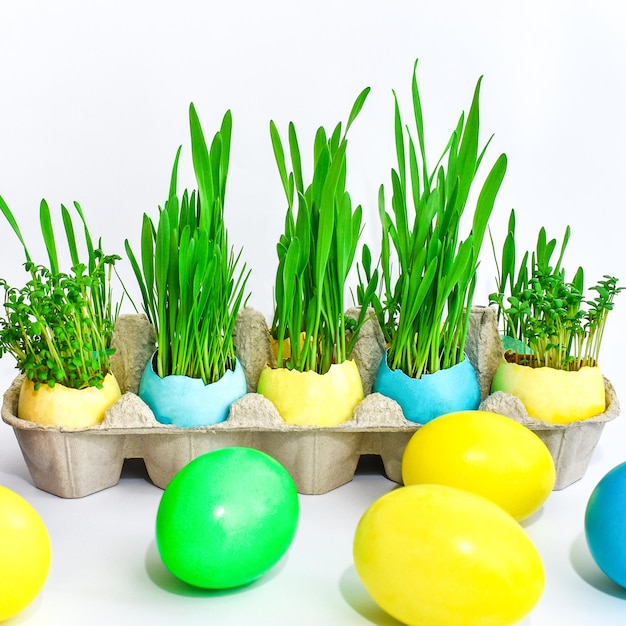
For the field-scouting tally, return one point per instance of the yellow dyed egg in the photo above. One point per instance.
(312, 399)
(553, 395)
(439, 556)
(485, 453)
(25, 553)
(70, 408)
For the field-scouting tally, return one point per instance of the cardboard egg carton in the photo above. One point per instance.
(76, 463)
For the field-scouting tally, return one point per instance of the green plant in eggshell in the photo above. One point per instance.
(192, 282)
(315, 252)
(423, 284)
(551, 327)
(58, 326)
(314, 381)
(546, 320)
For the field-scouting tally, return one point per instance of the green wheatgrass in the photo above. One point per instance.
(192, 283)
(316, 252)
(427, 271)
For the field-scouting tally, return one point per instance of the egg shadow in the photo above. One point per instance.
(357, 597)
(584, 565)
(533, 519)
(163, 578)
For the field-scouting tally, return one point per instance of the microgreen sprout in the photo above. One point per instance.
(315, 253)
(427, 272)
(58, 326)
(546, 320)
(190, 282)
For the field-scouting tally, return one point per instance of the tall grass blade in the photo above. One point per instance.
(47, 231)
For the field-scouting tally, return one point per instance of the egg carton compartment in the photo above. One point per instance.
(76, 463)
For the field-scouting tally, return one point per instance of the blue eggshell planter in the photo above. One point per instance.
(188, 402)
(423, 399)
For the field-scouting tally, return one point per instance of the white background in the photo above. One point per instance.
(94, 102)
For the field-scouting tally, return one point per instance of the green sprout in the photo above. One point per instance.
(545, 320)
(58, 326)
(316, 252)
(426, 271)
(191, 286)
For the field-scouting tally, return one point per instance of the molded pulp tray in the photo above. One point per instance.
(73, 464)
(76, 463)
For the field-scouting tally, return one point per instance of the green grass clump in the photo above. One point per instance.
(315, 252)
(191, 281)
(427, 269)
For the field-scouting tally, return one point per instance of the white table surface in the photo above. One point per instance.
(106, 569)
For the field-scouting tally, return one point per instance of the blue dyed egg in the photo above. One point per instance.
(605, 524)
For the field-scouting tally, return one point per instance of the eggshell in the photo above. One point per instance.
(423, 399)
(312, 399)
(553, 395)
(63, 406)
(188, 402)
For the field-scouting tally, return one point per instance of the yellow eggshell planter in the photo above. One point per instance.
(312, 399)
(66, 407)
(551, 395)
